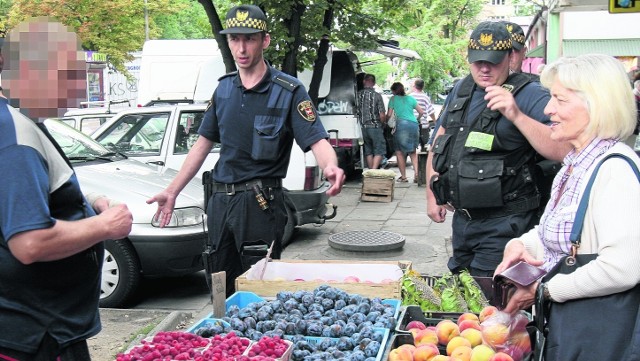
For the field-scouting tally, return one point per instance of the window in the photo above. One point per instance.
(137, 134)
(187, 132)
(497, 2)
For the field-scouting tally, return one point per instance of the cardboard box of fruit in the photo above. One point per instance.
(367, 278)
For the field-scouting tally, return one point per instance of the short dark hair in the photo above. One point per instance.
(397, 88)
(369, 77)
(419, 84)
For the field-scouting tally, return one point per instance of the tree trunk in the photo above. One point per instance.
(289, 64)
(321, 60)
(216, 27)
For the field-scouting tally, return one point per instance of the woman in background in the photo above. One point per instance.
(407, 132)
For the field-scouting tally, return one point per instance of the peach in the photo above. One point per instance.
(415, 324)
(442, 358)
(495, 335)
(513, 351)
(474, 336)
(455, 342)
(501, 356)
(351, 279)
(446, 330)
(400, 354)
(469, 324)
(423, 337)
(425, 352)
(487, 312)
(408, 346)
(467, 316)
(521, 340)
(461, 353)
(481, 353)
(431, 328)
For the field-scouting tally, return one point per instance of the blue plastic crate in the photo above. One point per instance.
(394, 303)
(314, 340)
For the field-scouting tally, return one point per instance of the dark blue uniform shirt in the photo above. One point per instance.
(256, 127)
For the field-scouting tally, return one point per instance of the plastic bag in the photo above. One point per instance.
(508, 334)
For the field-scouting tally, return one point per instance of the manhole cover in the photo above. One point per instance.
(366, 241)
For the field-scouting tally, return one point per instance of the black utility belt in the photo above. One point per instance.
(233, 188)
(372, 125)
(515, 207)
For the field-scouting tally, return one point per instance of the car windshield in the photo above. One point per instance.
(75, 145)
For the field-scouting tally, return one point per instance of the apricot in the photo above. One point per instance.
(455, 342)
(481, 353)
(425, 352)
(446, 330)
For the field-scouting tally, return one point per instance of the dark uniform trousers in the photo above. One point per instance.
(236, 222)
(49, 350)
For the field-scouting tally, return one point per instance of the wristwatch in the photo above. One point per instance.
(545, 292)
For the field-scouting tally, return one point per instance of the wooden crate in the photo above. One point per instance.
(377, 189)
(269, 288)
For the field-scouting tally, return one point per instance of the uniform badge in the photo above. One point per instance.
(305, 108)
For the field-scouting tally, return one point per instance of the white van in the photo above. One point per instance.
(170, 69)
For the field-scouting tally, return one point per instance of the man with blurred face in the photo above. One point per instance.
(519, 48)
(481, 163)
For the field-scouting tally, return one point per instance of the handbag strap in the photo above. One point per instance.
(576, 230)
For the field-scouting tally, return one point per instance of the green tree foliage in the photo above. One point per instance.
(188, 21)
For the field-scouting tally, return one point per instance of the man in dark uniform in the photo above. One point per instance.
(519, 47)
(482, 159)
(255, 114)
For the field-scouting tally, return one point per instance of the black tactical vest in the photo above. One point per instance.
(475, 170)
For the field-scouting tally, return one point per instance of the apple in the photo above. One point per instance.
(425, 352)
(446, 330)
(481, 353)
(423, 337)
(415, 324)
(455, 342)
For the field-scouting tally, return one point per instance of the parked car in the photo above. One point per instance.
(148, 250)
(163, 135)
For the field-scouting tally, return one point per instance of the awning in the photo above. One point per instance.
(612, 47)
(537, 52)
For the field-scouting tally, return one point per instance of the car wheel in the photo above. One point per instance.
(120, 274)
(289, 228)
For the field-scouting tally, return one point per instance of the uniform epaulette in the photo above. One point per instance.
(228, 75)
(285, 83)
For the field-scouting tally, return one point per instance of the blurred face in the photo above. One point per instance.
(516, 60)
(486, 74)
(569, 116)
(247, 49)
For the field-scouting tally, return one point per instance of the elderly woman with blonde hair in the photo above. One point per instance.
(593, 109)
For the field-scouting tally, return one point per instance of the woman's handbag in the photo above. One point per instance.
(392, 120)
(596, 328)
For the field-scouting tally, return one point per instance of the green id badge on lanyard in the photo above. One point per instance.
(479, 140)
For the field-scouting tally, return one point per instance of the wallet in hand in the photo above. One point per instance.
(505, 283)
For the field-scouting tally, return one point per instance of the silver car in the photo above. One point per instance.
(148, 250)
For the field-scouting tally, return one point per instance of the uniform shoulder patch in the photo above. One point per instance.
(306, 110)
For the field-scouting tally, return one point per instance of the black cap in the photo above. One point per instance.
(517, 34)
(490, 41)
(245, 19)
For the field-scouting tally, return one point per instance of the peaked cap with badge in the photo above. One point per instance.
(517, 34)
(245, 19)
(490, 41)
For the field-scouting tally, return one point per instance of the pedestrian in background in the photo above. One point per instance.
(482, 160)
(371, 116)
(255, 114)
(51, 247)
(518, 44)
(406, 133)
(429, 112)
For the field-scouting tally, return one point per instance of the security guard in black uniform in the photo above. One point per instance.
(481, 163)
(255, 114)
